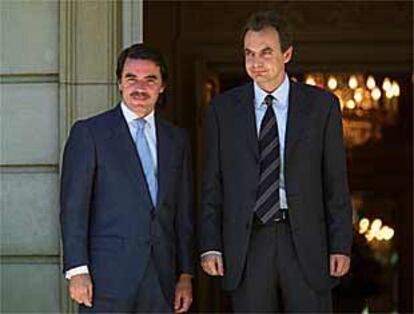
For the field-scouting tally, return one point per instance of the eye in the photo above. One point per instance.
(267, 52)
(151, 81)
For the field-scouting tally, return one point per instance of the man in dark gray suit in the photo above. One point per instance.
(126, 200)
(276, 219)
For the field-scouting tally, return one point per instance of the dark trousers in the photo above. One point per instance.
(272, 281)
(148, 299)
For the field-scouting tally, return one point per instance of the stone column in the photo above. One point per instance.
(90, 40)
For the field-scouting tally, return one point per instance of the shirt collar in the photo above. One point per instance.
(130, 116)
(281, 93)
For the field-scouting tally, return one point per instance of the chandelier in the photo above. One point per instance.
(366, 107)
(375, 230)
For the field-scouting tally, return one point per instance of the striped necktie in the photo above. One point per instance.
(267, 201)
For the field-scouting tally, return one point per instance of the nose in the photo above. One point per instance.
(256, 62)
(141, 85)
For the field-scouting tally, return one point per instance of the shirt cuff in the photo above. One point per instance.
(211, 253)
(76, 271)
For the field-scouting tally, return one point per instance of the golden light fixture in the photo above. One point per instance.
(332, 83)
(375, 230)
(366, 107)
(371, 82)
(310, 80)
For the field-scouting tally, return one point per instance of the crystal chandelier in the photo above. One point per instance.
(366, 107)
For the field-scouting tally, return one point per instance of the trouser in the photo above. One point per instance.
(273, 280)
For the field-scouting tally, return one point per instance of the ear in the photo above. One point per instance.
(162, 89)
(287, 55)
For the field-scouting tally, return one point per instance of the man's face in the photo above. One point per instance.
(264, 59)
(140, 84)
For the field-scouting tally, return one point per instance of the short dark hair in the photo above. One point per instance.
(263, 19)
(142, 52)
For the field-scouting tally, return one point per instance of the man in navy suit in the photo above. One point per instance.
(126, 200)
(276, 221)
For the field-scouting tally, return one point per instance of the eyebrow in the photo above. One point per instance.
(267, 49)
(132, 75)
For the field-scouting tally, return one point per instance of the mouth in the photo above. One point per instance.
(258, 73)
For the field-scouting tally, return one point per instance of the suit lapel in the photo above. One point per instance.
(128, 156)
(164, 152)
(296, 120)
(246, 108)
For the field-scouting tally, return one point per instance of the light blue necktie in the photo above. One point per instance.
(146, 159)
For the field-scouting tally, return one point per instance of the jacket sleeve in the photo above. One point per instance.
(335, 184)
(77, 177)
(210, 219)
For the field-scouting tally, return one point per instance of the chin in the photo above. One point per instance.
(138, 106)
(261, 79)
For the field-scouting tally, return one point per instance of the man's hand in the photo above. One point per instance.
(81, 289)
(339, 264)
(183, 294)
(213, 264)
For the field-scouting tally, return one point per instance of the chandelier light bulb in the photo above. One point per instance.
(310, 80)
(350, 104)
(387, 233)
(376, 94)
(395, 89)
(363, 225)
(386, 84)
(332, 83)
(353, 82)
(376, 225)
(371, 82)
(358, 96)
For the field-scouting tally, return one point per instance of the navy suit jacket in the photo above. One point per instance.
(320, 211)
(107, 218)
